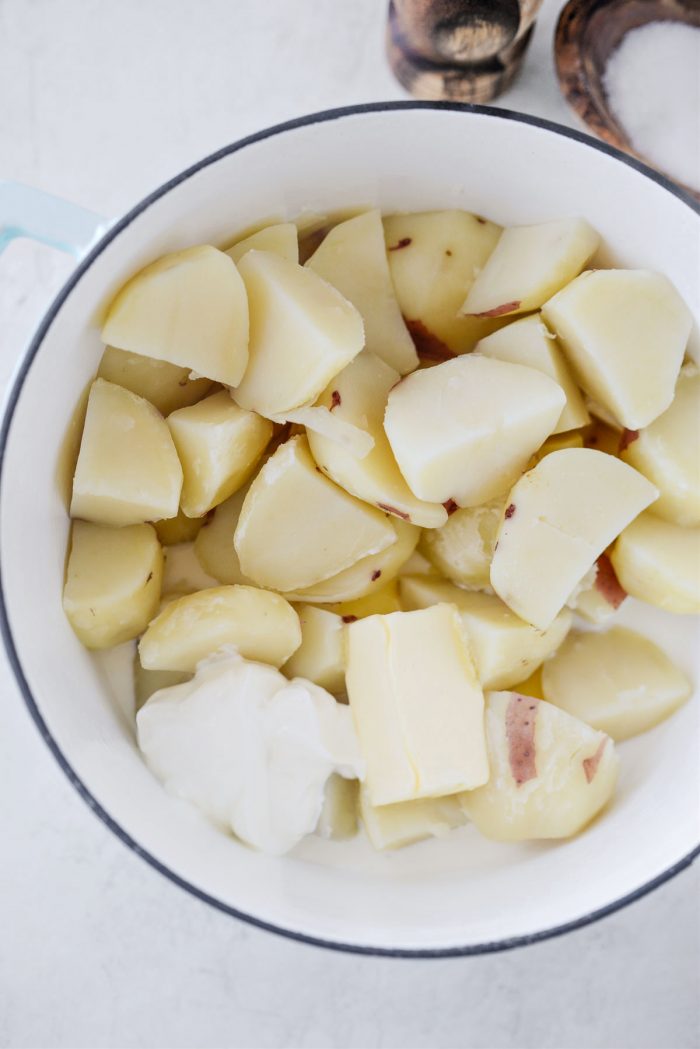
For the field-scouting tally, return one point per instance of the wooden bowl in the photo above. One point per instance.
(587, 33)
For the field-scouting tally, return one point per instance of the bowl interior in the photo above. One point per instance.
(458, 893)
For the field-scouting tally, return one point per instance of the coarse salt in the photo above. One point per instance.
(653, 84)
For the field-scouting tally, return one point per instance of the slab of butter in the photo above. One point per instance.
(417, 705)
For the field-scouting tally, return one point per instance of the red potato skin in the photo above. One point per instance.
(451, 506)
(336, 400)
(521, 716)
(607, 584)
(627, 438)
(428, 346)
(590, 765)
(499, 311)
(392, 510)
(403, 243)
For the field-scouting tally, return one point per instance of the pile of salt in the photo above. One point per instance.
(653, 84)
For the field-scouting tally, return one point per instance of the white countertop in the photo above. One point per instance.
(101, 101)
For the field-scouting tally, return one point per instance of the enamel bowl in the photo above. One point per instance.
(460, 894)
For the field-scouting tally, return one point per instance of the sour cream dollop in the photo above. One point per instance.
(250, 749)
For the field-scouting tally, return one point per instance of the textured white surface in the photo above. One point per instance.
(101, 102)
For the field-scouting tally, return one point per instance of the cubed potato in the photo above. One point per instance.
(624, 332)
(530, 343)
(260, 625)
(668, 453)
(280, 239)
(464, 430)
(297, 528)
(550, 773)
(528, 265)
(302, 333)
(214, 544)
(183, 573)
(659, 562)
(369, 575)
(112, 583)
(601, 600)
(559, 518)
(358, 395)
(165, 385)
(434, 257)
(189, 308)
(414, 748)
(378, 603)
(338, 819)
(318, 420)
(602, 437)
(219, 445)
(321, 655)
(178, 529)
(463, 548)
(418, 564)
(504, 648)
(147, 682)
(128, 471)
(617, 681)
(572, 439)
(352, 257)
(394, 826)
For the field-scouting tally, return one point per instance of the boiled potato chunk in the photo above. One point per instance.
(378, 603)
(617, 682)
(178, 529)
(297, 528)
(463, 548)
(572, 439)
(434, 257)
(146, 682)
(113, 582)
(183, 573)
(464, 430)
(528, 342)
(219, 445)
(417, 705)
(528, 265)
(504, 648)
(359, 395)
(602, 598)
(559, 518)
(260, 625)
(352, 257)
(668, 453)
(338, 819)
(214, 544)
(368, 576)
(659, 562)
(280, 239)
(418, 564)
(128, 471)
(624, 333)
(189, 308)
(550, 773)
(321, 655)
(302, 333)
(165, 385)
(393, 826)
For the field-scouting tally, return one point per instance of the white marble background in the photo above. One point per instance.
(100, 100)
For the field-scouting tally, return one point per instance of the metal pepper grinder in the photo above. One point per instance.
(458, 50)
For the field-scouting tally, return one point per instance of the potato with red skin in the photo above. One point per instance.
(550, 773)
(601, 600)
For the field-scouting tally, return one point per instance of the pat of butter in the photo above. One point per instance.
(417, 705)
(393, 826)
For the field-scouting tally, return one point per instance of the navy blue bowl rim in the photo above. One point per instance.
(6, 631)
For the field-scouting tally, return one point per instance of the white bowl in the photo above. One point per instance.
(462, 894)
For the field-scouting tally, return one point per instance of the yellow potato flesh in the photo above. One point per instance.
(321, 655)
(188, 308)
(113, 582)
(219, 445)
(281, 239)
(128, 471)
(262, 626)
(659, 562)
(165, 385)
